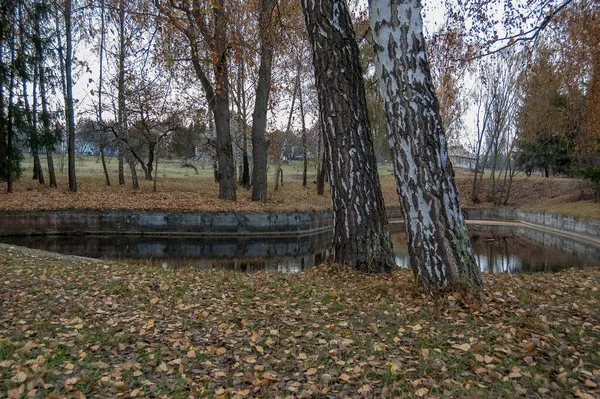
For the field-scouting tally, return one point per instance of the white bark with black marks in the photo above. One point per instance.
(361, 234)
(439, 247)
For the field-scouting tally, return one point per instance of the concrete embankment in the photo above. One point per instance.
(75, 221)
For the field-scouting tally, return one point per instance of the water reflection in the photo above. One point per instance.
(498, 249)
(499, 253)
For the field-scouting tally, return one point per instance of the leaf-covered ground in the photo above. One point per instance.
(200, 194)
(187, 194)
(74, 327)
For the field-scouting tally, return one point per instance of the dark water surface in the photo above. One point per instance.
(498, 250)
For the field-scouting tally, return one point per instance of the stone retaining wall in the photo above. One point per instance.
(46, 222)
(586, 227)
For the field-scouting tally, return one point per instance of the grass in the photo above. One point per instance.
(327, 332)
(181, 189)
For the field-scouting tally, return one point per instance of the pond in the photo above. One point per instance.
(498, 249)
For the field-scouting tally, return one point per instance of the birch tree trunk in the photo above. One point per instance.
(361, 234)
(439, 247)
(303, 121)
(263, 89)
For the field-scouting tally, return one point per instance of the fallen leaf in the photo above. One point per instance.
(220, 351)
(463, 347)
(365, 389)
(19, 377)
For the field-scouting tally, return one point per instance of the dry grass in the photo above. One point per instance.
(192, 193)
(181, 189)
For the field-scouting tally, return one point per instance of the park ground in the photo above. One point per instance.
(75, 327)
(181, 189)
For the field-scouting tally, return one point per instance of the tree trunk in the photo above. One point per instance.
(104, 168)
(37, 164)
(304, 142)
(221, 107)
(33, 138)
(361, 233)
(242, 112)
(3, 121)
(439, 247)
(10, 123)
(321, 176)
(122, 127)
(121, 167)
(135, 183)
(69, 111)
(279, 160)
(263, 89)
(156, 174)
(150, 164)
(51, 171)
(100, 88)
(45, 117)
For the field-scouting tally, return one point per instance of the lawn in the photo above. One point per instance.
(181, 189)
(74, 327)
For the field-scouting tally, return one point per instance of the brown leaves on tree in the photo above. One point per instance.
(82, 328)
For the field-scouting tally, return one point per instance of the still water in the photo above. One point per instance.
(509, 251)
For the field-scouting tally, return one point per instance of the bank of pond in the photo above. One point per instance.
(499, 248)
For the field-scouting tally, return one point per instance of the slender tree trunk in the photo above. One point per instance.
(34, 143)
(31, 126)
(156, 173)
(242, 111)
(51, 171)
(37, 164)
(150, 164)
(69, 110)
(278, 170)
(122, 127)
(10, 123)
(322, 175)
(100, 88)
(121, 170)
(45, 117)
(439, 247)
(135, 183)
(221, 107)
(3, 120)
(477, 176)
(361, 233)
(304, 142)
(263, 89)
(104, 167)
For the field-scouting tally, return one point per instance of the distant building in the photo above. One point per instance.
(461, 157)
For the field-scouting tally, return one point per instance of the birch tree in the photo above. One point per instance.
(439, 247)
(361, 235)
